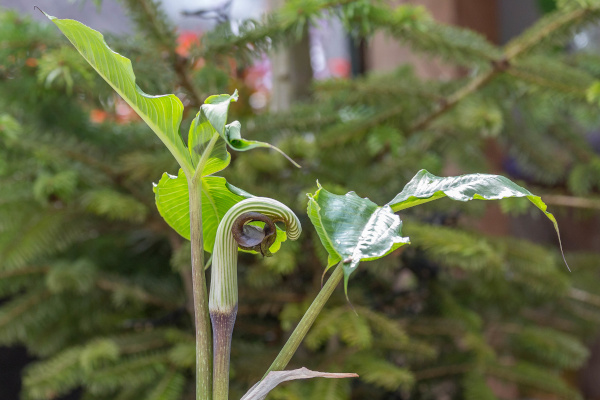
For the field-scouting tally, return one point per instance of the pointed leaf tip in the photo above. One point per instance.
(162, 113)
(274, 378)
(425, 187)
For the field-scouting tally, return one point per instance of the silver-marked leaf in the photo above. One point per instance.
(218, 196)
(426, 187)
(354, 229)
(201, 134)
(162, 113)
(274, 378)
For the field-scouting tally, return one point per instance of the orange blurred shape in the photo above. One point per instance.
(124, 112)
(31, 62)
(339, 67)
(185, 41)
(98, 116)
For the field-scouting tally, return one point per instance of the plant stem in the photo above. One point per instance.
(202, 320)
(286, 353)
(223, 324)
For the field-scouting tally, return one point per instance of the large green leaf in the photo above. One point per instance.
(162, 113)
(354, 229)
(425, 187)
(218, 196)
(173, 203)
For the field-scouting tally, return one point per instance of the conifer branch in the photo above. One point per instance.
(451, 101)
(151, 19)
(139, 293)
(265, 34)
(512, 51)
(32, 300)
(432, 373)
(584, 297)
(571, 201)
(24, 271)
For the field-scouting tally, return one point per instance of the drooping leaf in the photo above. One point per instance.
(274, 378)
(426, 187)
(354, 229)
(234, 139)
(162, 113)
(218, 196)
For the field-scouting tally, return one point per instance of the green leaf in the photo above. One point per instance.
(425, 187)
(234, 139)
(354, 229)
(173, 203)
(211, 120)
(199, 139)
(218, 196)
(215, 109)
(162, 113)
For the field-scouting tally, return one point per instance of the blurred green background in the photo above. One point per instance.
(94, 286)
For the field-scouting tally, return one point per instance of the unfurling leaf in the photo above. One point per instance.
(200, 135)
(212, 119)
(274, 378)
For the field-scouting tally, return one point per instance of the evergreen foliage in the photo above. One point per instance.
(95, 281)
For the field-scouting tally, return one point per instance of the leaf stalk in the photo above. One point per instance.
(201, 315)
(297, 336)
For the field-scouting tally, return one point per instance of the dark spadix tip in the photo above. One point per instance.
(250, 237)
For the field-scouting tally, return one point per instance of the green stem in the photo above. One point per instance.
(286, 353)
(203, 328)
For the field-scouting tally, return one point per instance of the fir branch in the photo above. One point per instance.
(584, 297)
(513, 50)
(572, 202)
(261, 36)
(34, 270)
(436, 372)
(21, 305)
(151, 20)
(553, 24)
(135, 291)
(451, 101)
